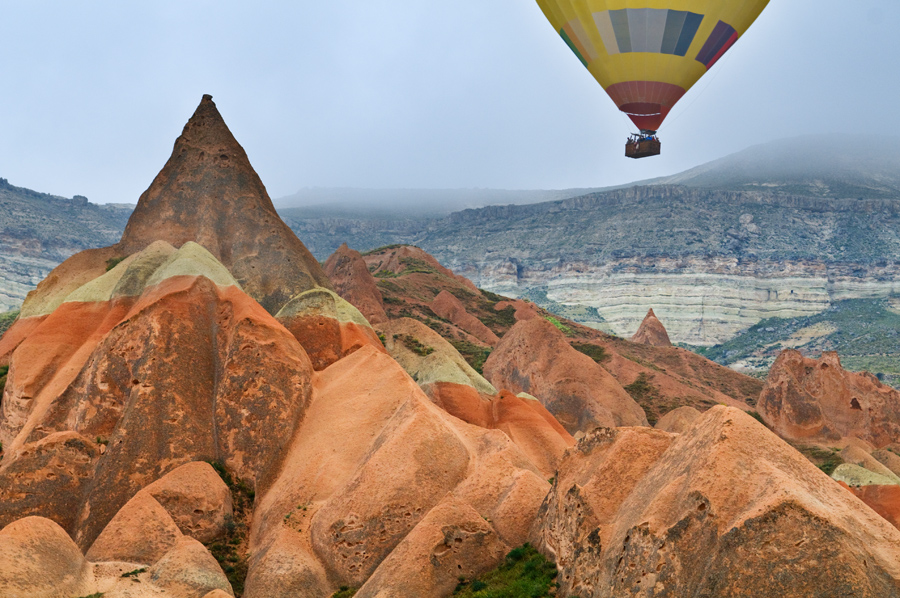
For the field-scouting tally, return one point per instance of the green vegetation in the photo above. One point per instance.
(475, 355)
(525, 573)
(864, 332)
(493, 296)
(414, 345)
(135, 572)
(97, 595)
(7, 319)
(231, 550)
(385, 274)
(4, 370)
(825, 459)
(382, 338)
(562, 327)
(647, 396)
(344, 592)
(113, 262)
(498, 320)
(595, 352)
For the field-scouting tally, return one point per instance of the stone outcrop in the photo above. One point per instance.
(817, 400)
(652, 332)
(534, 357)
(729, 509)
(678, 420)
(207, 193)
(450, 308)
(167, 360)
(39, 560)
(327, 326)
(458, 389)
(376, 467)
(352, 280)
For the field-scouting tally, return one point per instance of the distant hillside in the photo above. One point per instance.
(38, 231)
(864, 332)
(410, 203)
(835, 166)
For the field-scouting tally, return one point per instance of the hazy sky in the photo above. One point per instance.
(403, 93)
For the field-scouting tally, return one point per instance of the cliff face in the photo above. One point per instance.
(38, 231)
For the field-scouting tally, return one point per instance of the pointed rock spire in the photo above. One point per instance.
(652, 332)
(209, 193)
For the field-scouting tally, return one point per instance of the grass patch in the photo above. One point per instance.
(562, 327)
(414, 345)
(646, 394)
(113, 262)
(7, 319)
(825, 459)
(231, 550)
(475, 355)
(595, 352)
(525, 573)
(493, 296)
(499, 320)
(344, 592)
(4, 370)
(135, 572)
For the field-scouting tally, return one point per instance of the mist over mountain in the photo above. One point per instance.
(412, 203)
(837, 166)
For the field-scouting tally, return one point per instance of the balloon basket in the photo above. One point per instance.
(642, 146)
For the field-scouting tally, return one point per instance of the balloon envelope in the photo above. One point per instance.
(647, 53)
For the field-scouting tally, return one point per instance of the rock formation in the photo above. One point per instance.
(376, 467)
(534, 357)
(352, 280)
(450, 308)
(165, 359)
(678, 420)
(453, 385)
(208, 193)
(817, 400)
(726, 510)
(652, 332)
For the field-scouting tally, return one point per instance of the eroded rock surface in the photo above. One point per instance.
(652, 332)
(727, 510)
(352, 281)
(534, 357)
(817, 400)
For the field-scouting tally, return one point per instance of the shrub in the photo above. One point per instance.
(525, 573)
(595, 352)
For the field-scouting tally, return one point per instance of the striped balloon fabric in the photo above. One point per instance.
(647, 53)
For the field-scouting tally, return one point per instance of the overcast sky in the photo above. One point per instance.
(402, 93)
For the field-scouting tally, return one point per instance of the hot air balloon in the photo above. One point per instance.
(647, 53)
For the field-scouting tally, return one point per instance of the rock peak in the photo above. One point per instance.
(652, 332)
(209, 193)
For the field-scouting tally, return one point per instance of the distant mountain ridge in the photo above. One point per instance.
(834, 166)
(39, 230)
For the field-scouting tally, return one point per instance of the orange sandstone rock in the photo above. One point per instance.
(534, 357)
(353, 282)
(652, 332)
(450, 308)
(817, 400)
(728, 509)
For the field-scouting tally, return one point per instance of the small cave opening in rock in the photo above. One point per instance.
(854, 404)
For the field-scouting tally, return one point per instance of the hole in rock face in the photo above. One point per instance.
(854, 404)
(701, 507)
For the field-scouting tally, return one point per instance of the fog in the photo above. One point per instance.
(403, 93)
